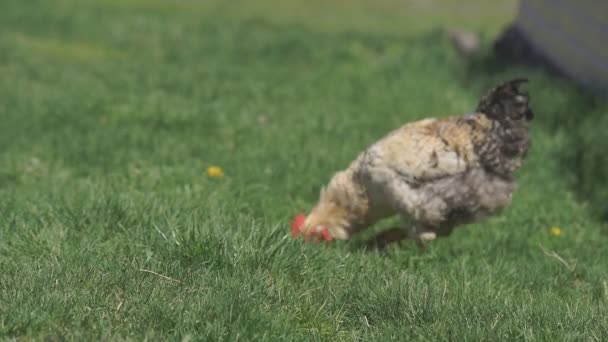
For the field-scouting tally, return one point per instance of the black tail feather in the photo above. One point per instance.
(507, 102)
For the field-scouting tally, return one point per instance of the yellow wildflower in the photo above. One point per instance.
(215, 172)
(555, 231)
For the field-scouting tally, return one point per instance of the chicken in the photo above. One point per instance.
(436, 174)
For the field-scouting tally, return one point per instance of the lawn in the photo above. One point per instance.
(111, 228)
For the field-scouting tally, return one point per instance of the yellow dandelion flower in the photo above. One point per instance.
(215, 172)
(555, 231)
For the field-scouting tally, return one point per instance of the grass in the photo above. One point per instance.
(110, 227)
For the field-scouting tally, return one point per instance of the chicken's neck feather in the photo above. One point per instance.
(342, 206)
(503, 146)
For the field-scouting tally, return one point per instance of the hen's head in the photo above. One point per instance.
(506, 102)
(326, 221)
(299, 226)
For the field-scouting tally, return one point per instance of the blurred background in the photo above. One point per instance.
(70, 64)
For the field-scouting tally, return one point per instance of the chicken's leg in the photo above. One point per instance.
(398, 234)
(386, 237)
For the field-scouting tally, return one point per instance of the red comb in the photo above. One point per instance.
(297, 223)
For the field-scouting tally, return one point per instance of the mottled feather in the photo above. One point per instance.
(434, 173)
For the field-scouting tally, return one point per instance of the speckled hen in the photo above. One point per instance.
(436, 174)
